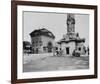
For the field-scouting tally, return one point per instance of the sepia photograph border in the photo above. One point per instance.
(14, 44)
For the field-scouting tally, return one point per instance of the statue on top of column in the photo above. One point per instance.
(70, 23)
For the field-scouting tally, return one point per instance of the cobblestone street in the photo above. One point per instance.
(53, 63)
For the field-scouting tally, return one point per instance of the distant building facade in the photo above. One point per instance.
(42, 41)
(26, 47)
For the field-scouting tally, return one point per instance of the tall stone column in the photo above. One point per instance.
(70, 23)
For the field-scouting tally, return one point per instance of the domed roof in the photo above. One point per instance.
(42, 31)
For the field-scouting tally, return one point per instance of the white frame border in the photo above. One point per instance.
(25, 75)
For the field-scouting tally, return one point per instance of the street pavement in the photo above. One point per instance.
(52, 63)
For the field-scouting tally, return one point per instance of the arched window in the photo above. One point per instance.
(50, 46)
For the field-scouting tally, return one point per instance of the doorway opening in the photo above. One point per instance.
(67, 50)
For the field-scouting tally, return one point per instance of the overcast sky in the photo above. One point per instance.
(54, 22)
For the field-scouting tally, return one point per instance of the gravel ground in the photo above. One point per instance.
(57, 63)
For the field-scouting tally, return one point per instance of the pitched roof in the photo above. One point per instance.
(42, 31)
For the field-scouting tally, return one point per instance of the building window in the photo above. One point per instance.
(79, 49)
(56, 48)
(44, 48)
(40, 43)
(33, 43)
(37, 42)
